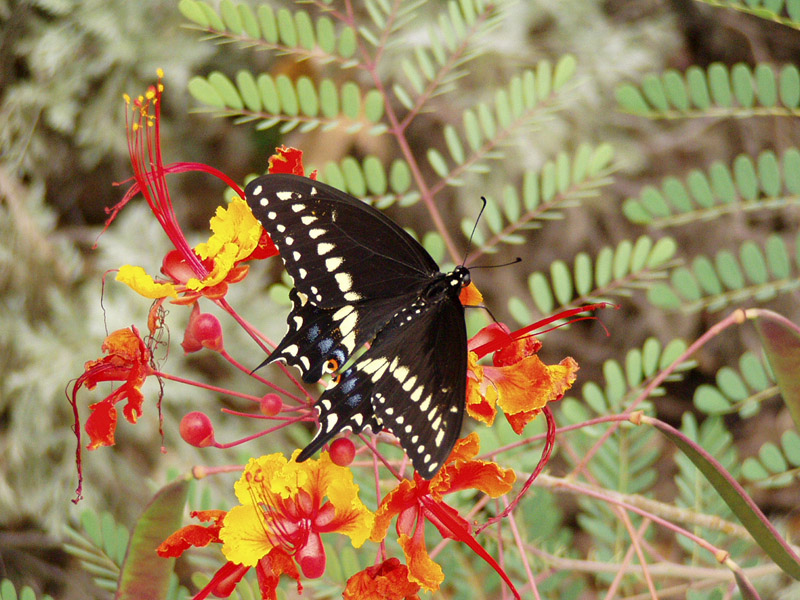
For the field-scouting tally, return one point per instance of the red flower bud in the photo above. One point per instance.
(204, 331)
(271, 405)
(197, 430)
(342, 452)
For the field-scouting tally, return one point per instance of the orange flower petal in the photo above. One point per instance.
(466, 448)
(193, 535)
(481, 406)
(530, 384)
(101, 424)
(269, 571)
(286, 160)
(481, 475)
(470, 296)
(404, 496)
(421, 568)
(385, 581)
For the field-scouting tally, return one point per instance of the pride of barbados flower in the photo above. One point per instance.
(209, 268)
(415, 502)
(285, 507)
(128, 361)
(518, 381)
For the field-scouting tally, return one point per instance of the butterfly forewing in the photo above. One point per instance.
(337, 249)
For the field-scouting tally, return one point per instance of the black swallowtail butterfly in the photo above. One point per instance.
(358, 277)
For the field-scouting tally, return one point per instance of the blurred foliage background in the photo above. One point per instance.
(64, 65)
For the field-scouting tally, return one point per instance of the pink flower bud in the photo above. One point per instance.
(271, 405)
(197, 430)
(204, 331)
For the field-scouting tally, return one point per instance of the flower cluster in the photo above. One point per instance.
(285, 507)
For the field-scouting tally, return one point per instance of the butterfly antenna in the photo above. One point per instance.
(474, 227)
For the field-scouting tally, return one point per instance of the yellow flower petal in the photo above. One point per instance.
(236, 236)
(357, 519)
(140, 282)
(243, 537)
(264, 471)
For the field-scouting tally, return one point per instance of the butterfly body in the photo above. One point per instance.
(359, 278)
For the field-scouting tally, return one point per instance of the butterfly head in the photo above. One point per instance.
(460, 277)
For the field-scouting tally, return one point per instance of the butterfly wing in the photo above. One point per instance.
(352, 268)
(337, 249)
(412, 382)
(359, 277)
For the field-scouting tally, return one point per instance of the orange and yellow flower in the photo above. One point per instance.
(285, 507)
(129, 362)
(268, 569)
(414, 502)
(518, 381)
(208, 269)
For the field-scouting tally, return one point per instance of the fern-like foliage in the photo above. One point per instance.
(100, 545)
(625, 462)
(719, 91)
(559, 184)
(776, 465)
(785, 12)
(714, 283)
(291, 103)
(740, 391)
(528, 99)
(748, 185)
(612, 273)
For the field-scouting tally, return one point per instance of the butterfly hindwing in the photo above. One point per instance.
(321, 340)
(411, 381)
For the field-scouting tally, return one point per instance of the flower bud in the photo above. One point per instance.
(197, 430)
(342, 452)
(271, 405)
(204, 331)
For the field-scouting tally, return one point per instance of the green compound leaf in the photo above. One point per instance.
(764, 184)
(615, 272)
(712, 283)
(371, 181)
(741, 390)
(280, 100)
(9, 592)
(561, 183)
(736, 91)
